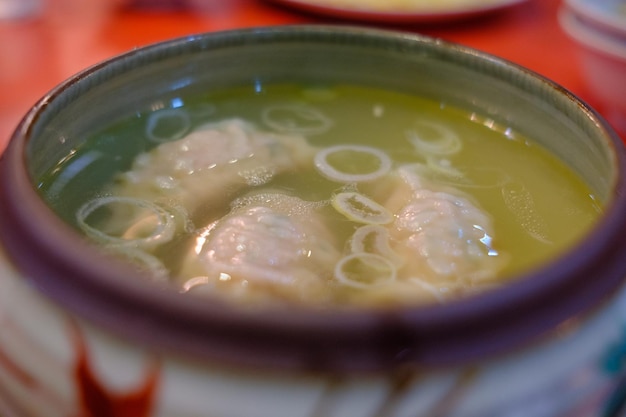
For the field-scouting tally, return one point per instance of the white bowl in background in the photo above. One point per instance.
(602, 53)
(605, 15)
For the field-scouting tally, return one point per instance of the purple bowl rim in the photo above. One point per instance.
(334, 338)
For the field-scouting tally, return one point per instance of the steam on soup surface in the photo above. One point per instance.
(339, 195)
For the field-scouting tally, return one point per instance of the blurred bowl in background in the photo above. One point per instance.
(599, 28)
(604, 15)
(400, 11)
(19, 9)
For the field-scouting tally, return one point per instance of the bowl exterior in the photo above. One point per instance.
(55, 364)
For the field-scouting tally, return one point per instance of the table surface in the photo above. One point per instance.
(38, 52)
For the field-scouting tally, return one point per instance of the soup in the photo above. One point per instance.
(323, 195)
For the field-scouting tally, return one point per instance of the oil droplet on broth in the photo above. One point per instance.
(521, 203)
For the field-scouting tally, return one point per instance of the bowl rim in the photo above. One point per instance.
(305, 338)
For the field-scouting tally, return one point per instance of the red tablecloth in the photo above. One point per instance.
(68, 35)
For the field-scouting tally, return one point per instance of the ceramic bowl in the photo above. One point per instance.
(599, 29)
(606, 15)
(83, 335)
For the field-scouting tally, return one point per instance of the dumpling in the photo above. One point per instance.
(270, 245)
(215, 159)
(443, 235)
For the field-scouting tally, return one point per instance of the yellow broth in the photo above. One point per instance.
(534, 206)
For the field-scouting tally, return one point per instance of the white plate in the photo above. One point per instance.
(400, 11)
